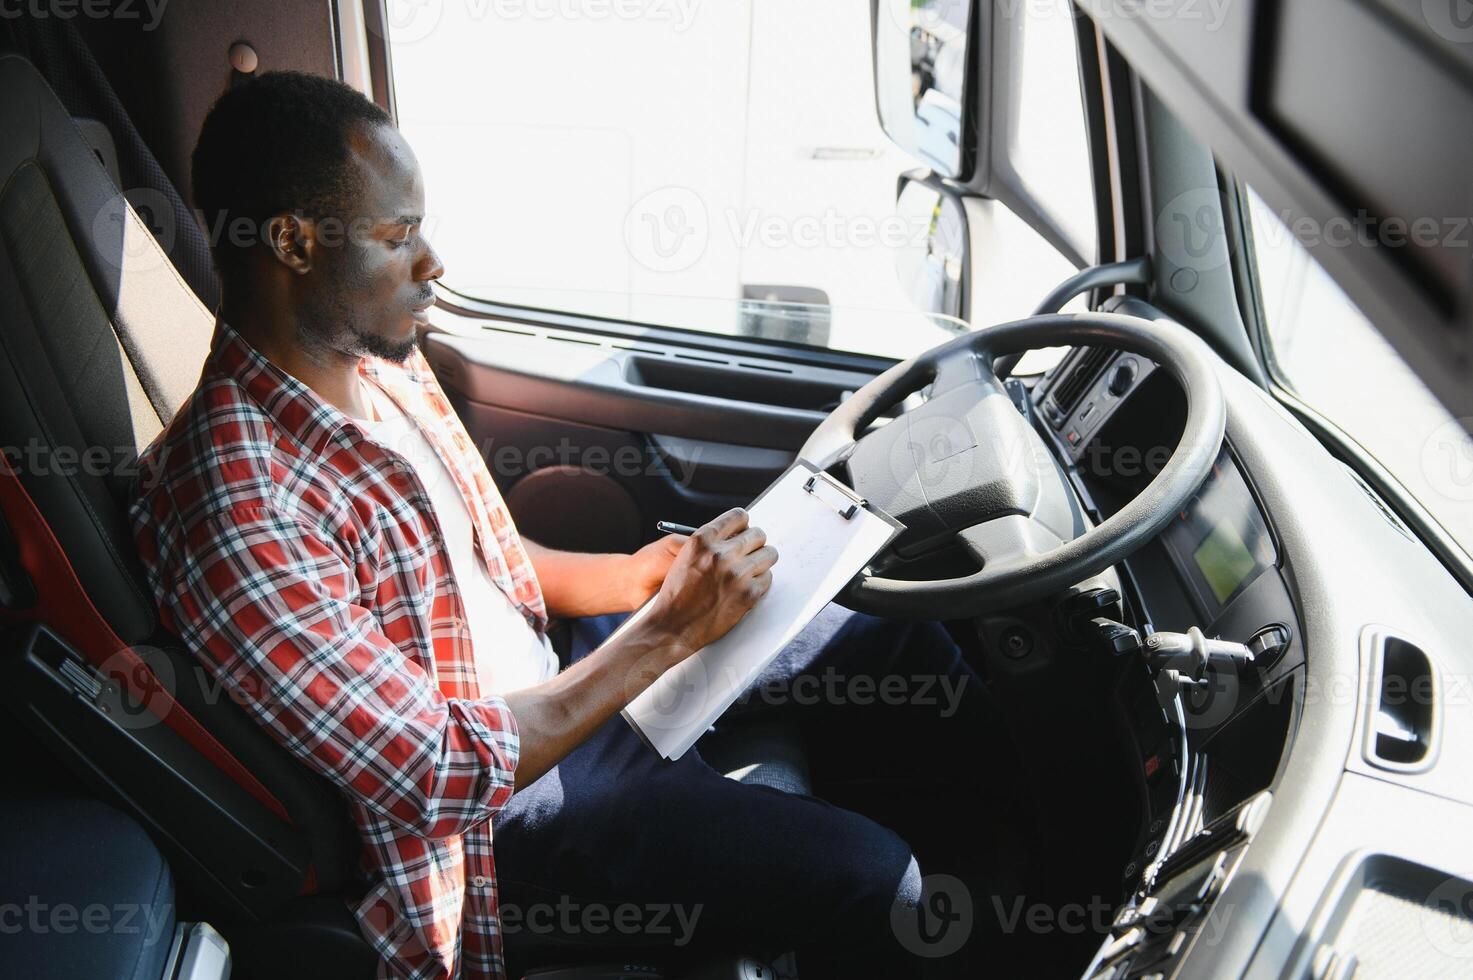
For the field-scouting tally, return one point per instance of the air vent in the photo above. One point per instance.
(1381, 504)
(1080, 371)
(500, 328)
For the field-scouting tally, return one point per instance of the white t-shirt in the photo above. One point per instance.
(509, 653)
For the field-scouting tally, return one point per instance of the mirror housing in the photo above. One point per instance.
(920, 72)
(933, 273)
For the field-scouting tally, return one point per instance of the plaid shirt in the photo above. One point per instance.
(303, 564)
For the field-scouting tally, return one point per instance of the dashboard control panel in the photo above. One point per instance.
(1156, 928)
(1085, 389)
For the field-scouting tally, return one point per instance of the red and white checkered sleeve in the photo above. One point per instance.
(264, 599)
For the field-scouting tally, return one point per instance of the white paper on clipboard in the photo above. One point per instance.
(823, 535)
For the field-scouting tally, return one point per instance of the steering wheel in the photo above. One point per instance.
(964, 467)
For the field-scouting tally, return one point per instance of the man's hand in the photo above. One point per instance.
(719, 573)
(649, 565)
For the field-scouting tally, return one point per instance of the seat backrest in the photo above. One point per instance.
(100, 342)
(101, 339)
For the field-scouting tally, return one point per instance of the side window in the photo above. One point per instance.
(711, 166)
(1322, 348)
(1047, 141)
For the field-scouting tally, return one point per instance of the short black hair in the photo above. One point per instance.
(275, 144)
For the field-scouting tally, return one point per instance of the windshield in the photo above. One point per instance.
(1329, 355)
(721, 167)
(678, 164)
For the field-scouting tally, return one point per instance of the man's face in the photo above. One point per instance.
(369, 285)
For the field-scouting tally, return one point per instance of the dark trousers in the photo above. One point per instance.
(618, 847)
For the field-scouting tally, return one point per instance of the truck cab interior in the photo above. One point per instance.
(1151, 323)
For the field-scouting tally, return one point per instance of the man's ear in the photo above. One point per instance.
(292, 241)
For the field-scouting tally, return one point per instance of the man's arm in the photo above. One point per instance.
(577, 584)
(718, 574)
(265, 598)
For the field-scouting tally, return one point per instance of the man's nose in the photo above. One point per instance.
(428, 268)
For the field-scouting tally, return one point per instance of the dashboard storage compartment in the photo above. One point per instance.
(1402, 717)
(1385, 918)
(715, 377)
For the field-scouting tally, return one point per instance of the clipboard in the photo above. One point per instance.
(825, 534)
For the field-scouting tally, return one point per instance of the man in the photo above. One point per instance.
(323, 534)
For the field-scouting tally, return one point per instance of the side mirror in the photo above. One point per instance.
(920, 57)
(932, 268)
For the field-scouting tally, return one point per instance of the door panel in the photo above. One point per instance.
(617, 435)
(745, 402)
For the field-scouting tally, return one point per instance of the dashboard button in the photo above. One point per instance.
(1122, 377)
(1212, 884)
(1268, 645)
(1131, 916)
(1125, 941)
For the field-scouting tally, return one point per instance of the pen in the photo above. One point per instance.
(669, 527)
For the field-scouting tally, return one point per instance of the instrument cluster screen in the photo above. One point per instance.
(1219, 540)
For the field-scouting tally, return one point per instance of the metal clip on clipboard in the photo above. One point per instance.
(849, 503)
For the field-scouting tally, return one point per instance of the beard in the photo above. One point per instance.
(332, 326)
(374, 345)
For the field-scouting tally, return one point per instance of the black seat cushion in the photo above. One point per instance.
(90, 894)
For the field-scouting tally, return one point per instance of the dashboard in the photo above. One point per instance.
(1284, 803)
